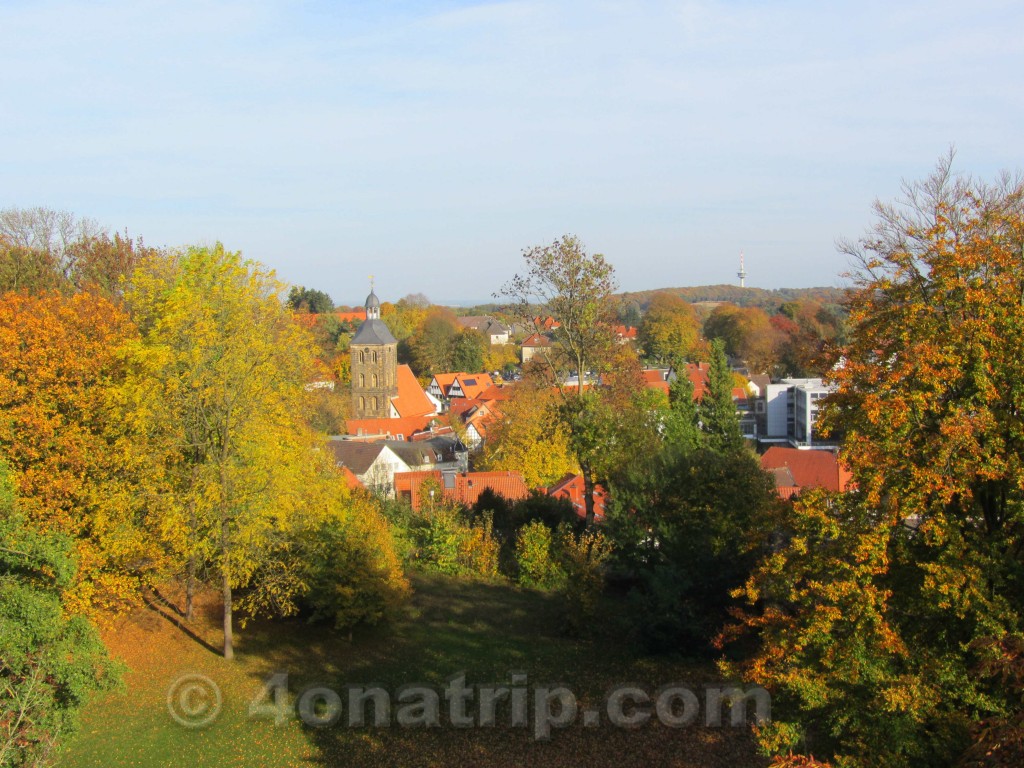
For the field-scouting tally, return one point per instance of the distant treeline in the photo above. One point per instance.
(768, 300)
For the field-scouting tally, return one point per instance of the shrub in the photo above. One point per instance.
(583, 557)
(538, 564)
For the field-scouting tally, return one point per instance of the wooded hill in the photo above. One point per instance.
(763, 298)
(767, 299)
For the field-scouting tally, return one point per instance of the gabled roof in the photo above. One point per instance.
(444, 381)
(625, 332)
(482, 417)
(700, 376)
(808, 468)
(426, 451)
(357, 456)
(411, 400)
(484, 324)
(474, 384)
(537, 340)
(496, 392)
(761, 382)
(373, 331)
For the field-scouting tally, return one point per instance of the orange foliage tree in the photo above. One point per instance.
(874, 610)
(58, 359)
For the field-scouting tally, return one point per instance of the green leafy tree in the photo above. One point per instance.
(441, 345)
(302, 299)
(717, 410)
(537, 563)
(50, 662)
(575, 288)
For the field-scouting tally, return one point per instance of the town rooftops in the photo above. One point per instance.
(355, 455)
(808, 468)
(398, 429)
(461, 487)
(537, 340)
(411, 400)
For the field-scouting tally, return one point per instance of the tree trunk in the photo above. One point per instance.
(588, 492)
(229, 641)
(190, 588)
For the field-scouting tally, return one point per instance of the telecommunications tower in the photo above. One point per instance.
(742, 274)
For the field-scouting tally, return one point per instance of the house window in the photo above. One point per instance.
(362, 356)
(362, 403)
(375, 403)
(375, 357)
(375, 379)
(362, 379)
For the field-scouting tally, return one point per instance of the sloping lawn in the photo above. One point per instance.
(486, 631)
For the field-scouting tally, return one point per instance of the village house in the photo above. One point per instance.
(494, 331)
(375, 463)
(533, 345)
(796, 469)
(463, 488)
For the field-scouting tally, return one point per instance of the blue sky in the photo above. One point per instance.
(430, 142)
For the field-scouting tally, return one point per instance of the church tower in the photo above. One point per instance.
(374, 365)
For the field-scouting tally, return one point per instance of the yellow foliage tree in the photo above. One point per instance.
(216, 385)
(530, 438)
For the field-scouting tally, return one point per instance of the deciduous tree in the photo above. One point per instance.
(566, 283)
(669, 332)
(873, 607)
(73, 472)
(217, 384)
(50, 662)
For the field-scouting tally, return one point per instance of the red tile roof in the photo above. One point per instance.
(411, 399)
(351, 480)
(808, 468)
(548, 323)
(699, 374)
(309, 319)
(474, 384)
(466, 487)
(390, 428)
(572, 487)
(445, 381)
(497, 392)
(351, 317)
(537, 340)
(655, 379)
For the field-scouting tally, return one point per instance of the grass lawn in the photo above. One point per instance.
(488, 631)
